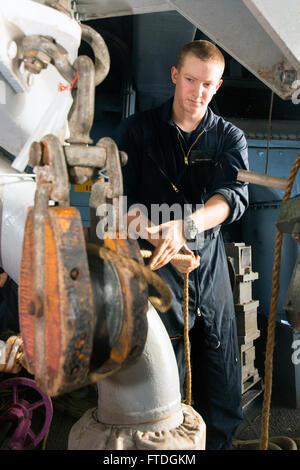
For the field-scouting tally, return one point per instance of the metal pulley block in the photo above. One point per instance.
(82, 316)
(56, 306)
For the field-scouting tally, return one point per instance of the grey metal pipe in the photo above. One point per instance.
(140, 406)
(261, 179)
(16, 195)
(145, 396)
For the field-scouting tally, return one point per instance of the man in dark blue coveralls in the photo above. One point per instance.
(183, 155)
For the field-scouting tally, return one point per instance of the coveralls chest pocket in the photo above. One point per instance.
(199, 174)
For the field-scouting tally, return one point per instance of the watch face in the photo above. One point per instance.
(193, 234)
(190, 229)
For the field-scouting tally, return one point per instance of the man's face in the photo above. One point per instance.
(196, 83)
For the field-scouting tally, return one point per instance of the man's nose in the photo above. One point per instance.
(198, 90)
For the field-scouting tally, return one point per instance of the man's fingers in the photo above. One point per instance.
(161, 256)
(153, 230)
(157, 255)
(187, 266)
(185, 250)
(161, 260)
(168, 255)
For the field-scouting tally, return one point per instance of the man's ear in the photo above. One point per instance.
(219, 84)
(174, 74)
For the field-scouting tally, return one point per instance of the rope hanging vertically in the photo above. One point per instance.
(188, 378)
(264, 442)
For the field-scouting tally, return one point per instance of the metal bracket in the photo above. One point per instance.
(51, 183)
(39, 51)
(48, 160)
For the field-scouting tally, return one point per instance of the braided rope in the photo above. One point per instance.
(188, 379)
(164, 302)
(272, 318)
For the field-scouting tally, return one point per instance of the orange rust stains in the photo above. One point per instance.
(270, 74)
(123, 244)
(52, 302)
(66, 215)
(45, 153)
(267, 74)
(110, 243)
(26, 286)
(120, 354)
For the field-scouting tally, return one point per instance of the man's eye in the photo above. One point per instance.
(189, 79)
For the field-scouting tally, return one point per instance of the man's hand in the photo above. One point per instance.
(168, 240)
(189, 263)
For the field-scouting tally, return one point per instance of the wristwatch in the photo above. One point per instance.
(190, 229)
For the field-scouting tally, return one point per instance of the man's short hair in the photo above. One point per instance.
(203, 50)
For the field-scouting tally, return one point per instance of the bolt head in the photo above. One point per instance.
(30, 79)
(12, 50)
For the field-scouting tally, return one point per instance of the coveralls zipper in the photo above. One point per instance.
(186, 161)
(186, 155)
(197, 307)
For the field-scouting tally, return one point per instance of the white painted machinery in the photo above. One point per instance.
(83, 309)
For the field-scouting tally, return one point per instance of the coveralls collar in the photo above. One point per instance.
(206, 122)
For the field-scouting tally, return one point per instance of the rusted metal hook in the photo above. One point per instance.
(81, 114)
(102, 58)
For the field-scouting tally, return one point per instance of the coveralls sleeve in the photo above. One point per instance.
(127, 141)
(232, 158)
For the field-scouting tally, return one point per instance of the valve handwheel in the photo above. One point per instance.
(27, 398)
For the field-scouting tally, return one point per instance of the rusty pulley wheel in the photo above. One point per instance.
(121, 303)
(57, 323)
